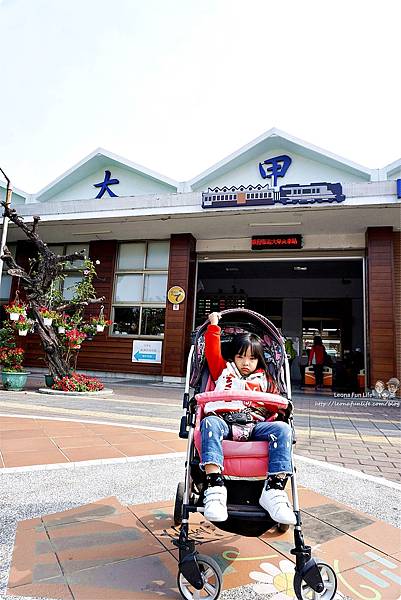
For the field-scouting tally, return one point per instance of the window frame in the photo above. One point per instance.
(71, 272)
(142, 303)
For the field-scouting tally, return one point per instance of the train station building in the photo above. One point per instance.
(307, 238)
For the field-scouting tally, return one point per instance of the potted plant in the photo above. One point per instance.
(13, 375)
(48, 315)
(90, 330)
(23, 325)
(100, 323)
(75, 338)
(15, 309)
(62, 322)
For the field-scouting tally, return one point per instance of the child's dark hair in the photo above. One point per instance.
(243, 341)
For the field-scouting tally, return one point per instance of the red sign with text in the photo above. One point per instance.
(275, 242)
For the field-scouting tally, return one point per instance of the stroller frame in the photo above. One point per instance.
(308, 577)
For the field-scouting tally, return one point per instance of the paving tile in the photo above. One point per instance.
(35, 524)
(159, 520)
(142, 449)
(120, 437)
(15, 434)
(17, 424)
(51, 588)
(23, 459)
(33, 559)
(143, 578)
(102, 541)
(176, 445)
(78, 441)
(99, 452)
(381, 580)
(160, 435)
(241, 560)
(38, 444)
(99, 509)
(380, 536)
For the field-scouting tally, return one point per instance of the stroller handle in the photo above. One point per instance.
(262, 320)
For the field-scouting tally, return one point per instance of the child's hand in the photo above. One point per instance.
(214, 318)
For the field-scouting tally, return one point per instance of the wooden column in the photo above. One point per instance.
(397, 301)
(381, 303)
(178, 325)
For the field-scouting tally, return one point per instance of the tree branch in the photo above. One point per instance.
(36, 220)
(14, 268)
(76, 304)
(30, 232)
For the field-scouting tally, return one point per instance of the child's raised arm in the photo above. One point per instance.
(215, 361)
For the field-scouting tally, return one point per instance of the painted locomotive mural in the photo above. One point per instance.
(295, 193)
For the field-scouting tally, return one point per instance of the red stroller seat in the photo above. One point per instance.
(241, 459)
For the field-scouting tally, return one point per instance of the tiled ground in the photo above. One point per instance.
(25, 442)
(106, 550)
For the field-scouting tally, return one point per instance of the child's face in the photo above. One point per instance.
(246, 363)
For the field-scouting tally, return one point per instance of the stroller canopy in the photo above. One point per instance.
(241, 320)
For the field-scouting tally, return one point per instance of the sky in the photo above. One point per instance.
(177, 85)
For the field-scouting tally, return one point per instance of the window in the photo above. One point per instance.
(73, 275)
(140, 288)
(6, 279)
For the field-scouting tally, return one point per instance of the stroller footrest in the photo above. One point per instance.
(247, 511)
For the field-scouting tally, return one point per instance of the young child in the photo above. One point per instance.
(247, 371)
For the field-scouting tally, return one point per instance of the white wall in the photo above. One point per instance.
(301, 170)
(131, 184)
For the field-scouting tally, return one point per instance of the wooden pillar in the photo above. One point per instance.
(178, 325)
(381, 303)
(397, 301)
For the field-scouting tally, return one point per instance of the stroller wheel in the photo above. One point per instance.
(212, 581)
(179, 498)
(304, 592)
(283, 527)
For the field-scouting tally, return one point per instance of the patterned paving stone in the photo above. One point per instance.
(106, 550)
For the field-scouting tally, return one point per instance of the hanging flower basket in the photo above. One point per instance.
(48, 315)
(23, 325)
(100, 322)
(62, 322)
(15, 309)
(75, 338)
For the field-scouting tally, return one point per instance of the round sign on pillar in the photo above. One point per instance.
(176, 295)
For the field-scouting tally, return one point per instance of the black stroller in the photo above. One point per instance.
(200, 576)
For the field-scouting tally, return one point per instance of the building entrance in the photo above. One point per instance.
(303, 298)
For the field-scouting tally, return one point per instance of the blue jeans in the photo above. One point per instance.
(279, 435)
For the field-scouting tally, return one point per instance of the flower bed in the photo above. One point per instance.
(78, 383)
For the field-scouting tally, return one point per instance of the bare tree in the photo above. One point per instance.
(45, 269)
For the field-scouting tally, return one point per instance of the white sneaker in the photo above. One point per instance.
(216, 503)
(276, 503)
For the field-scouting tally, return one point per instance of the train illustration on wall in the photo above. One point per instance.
(296, 193)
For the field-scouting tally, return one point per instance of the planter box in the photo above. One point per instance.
(14, 381)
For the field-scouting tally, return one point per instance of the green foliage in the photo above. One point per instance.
(7, 336)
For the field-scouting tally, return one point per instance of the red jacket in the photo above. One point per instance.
(216, 362)
(318, 352)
